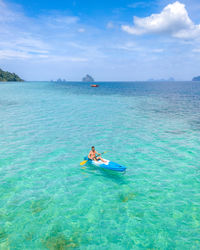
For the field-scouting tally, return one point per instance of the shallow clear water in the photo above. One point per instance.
(48, 201)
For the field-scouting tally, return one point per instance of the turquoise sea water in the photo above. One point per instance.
(48, 201)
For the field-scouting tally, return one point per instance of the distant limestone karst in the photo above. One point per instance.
(196, 78)
(87, 78)
(6, 76)
(59, 80)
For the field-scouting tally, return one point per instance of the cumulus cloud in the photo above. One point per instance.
(173, 20)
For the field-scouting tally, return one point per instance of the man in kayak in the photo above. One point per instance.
(92, 155)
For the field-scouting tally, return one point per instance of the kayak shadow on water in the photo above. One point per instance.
(118, 177)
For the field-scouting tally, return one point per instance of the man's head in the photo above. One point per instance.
(93, 148)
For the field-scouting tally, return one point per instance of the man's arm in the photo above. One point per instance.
(89, 155)
(97, 153)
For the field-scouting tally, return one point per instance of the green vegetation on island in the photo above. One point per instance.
(196, 78)
(88, 78)
(6, 76)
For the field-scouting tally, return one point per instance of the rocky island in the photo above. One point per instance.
(87, 78)
(59, 80)
(196, 78)
(6, 76)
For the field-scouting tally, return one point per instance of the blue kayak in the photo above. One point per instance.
(107, 164)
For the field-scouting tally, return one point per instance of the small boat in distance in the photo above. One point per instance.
(94, 85)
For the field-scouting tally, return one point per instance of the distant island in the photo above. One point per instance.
(196, 78)
(59, 80)
(87, 78)
(6, 76)
(171, 79)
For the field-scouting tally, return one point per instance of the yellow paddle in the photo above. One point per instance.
(83, 162)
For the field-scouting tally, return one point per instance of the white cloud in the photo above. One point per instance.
(134, 47)
(17, 41)
(173, 20)
(23, 38)
(55, 58)
(62, 20)
(21, 48)
(129, 46)
(13, 54)
(7, 15)
(31, 44)
(22, 55)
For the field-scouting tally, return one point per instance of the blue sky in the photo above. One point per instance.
(111, 40)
